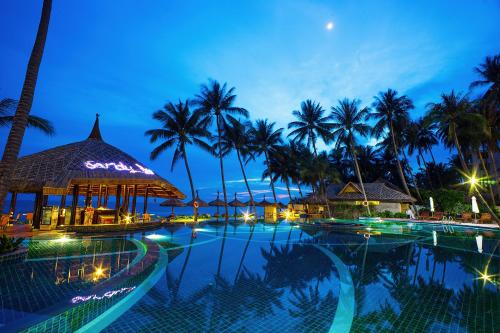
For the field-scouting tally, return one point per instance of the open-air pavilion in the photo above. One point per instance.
(92, 169)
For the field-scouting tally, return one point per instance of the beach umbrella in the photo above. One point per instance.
(236, 203)
(431, 204)
(197, 201)
(265, 203)
(475, 208)
(172, 203)
(479, 243)
(217, 203)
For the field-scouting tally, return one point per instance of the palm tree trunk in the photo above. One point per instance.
(432, 156)
(188, 170)
(20, 121)
(396, 155)
(244, 254)
(219, 134)
(246, 182)
(460, 154)
(325, 197)
(183, 269)
(493, 165)
(429, 179)
(289, 193)
(412, 176)
(270, 175)
(360, 180)
(486, 173)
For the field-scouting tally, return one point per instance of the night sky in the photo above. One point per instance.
(124, 59)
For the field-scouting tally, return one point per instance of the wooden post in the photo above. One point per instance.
(146, 200)
(74, 203)
(134, 201)
(13, 200)
(37, 211)
(45, 200)
(88, 196)
(60, 216)
(99, 196)
(127, 198)
(106, 197)
(117, 204)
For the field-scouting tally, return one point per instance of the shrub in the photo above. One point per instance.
(444, 199)
(9, 244)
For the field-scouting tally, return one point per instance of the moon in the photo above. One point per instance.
(329, 26)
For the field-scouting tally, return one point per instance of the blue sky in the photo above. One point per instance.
(125, 59)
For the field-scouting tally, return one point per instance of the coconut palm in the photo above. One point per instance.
(489, 71)
(448, 115)
(20, 120)
(6, 118)
(179, 127)
(265, 140)
(236, 137)
(347, 122)
(217, 101)
(281, 168)
(391, 113)
(310, 125)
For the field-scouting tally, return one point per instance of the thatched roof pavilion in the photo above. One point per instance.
(88, 162)
(90, 167)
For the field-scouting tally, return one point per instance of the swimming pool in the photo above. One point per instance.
(385, 277)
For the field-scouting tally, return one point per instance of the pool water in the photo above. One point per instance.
(379, 277)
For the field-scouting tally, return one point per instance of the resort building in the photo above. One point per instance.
(381, 195)
(88, 169)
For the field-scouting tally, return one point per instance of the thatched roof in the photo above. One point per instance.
(265, 203)
(172, 202)
(376, 191)
(217, 202)
(89, 162)
(200, 202)
(236, 202)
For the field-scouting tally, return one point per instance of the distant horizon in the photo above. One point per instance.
(132, 59)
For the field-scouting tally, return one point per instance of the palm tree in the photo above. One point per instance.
(236, 137)
(179, 127)
(349, 121)
(391, 111)
(448, 114)
(6, 119)
(20, 120)
(266, 139)
(216, 101)
(310, 125)
(489, 71)
(281, 168)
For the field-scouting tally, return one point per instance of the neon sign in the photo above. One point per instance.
(120, 166)
(108, 294)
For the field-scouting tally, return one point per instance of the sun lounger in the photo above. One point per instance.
(424, 215)
(438, 216)
(485, 218)
(4, 222)
(465, 217)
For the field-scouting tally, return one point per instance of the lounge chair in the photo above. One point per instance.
(29, 218)
(485, 218)
(465, 217)
(4, 222)
(424, 215)
(438, 216)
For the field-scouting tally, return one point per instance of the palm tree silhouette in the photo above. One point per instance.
(180, 127)
(216, 101)
(391, 111)
(266, 139)
(6, 118)
(349, 121)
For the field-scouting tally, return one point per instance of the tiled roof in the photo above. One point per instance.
(377, 191)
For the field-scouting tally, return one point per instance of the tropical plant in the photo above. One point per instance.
(266, 140)
(391, 113)
(9, 244)
(236, 137)
(310, 125)
(6, 118)
(347, 122)
(179, 127)
(216, 101)
(20, 120)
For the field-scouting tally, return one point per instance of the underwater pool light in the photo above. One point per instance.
(64, 239)
(156, 236)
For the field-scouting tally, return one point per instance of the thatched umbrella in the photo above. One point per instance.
(198, 201)
(217, 203)
(173, 203)
(265, 203)
(236, 203)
